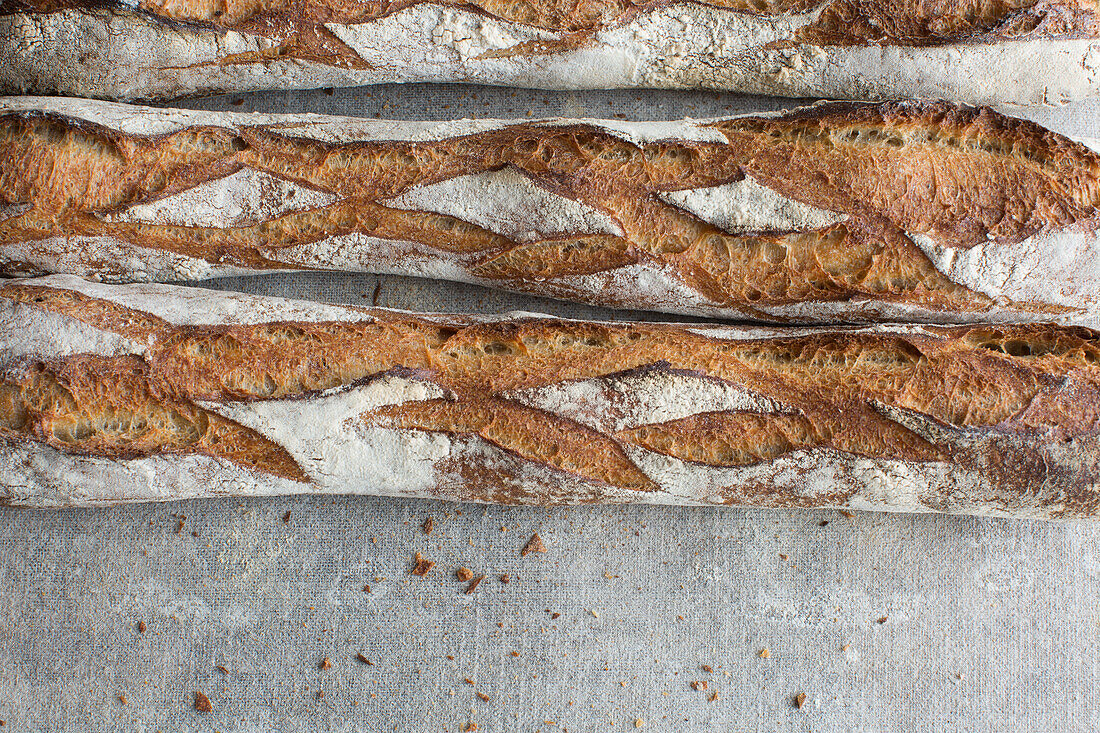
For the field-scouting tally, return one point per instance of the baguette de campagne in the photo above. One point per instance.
(975, 51)
(114, 393)
(915, 212)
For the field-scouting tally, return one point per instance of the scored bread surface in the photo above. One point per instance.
(839, 212)
(1026, 51)
(154, 392)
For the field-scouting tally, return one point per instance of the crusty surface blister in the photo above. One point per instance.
(153, 392)
(1025, 51)
(923, 212)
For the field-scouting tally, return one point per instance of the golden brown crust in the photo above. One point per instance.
(964, 176)
(95, 312)
(950, 381)
(740, 439)
(835, 389)
(108, 406)
(298, 28)
(936, 22)
(531, 434)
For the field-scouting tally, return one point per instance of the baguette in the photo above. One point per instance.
(115, 393)
(1024, 51)
(916, 212)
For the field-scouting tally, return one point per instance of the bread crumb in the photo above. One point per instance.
(474, 584)
(713, 697)
(422, 566)
(846, 514)
(594, 614)
(699, 685)
(141, 627)
(468, 681)
(555, 615)
(483, 696)
(845, 647)
(364, 660)
(428, 526)
(783, 556)
(366, 589)
(639, 723)
(515, 654)
(122, 699)
(533, 545)
(506, 578)
(202, 702)
(707, 668)
(800, 700)
(471, 726)
(765, 653)
(881, 620)
(325, 663)
(464, 574)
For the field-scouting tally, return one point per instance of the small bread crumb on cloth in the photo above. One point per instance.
(421, 566)
(202, 702)
(533, 545)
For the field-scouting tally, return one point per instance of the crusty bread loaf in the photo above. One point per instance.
(1026, 51)
(155, 392)
(837, 212)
